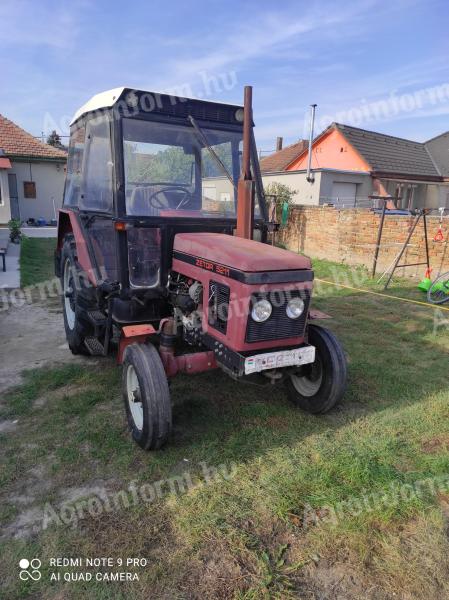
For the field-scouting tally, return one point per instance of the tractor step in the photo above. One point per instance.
(96, 317)
(99, 320)
(94, 346)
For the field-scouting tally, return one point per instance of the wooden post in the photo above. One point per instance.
(379, 237)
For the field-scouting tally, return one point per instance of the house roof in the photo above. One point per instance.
(435, 137)
(279, 160)
(17, 143)
(387, 153)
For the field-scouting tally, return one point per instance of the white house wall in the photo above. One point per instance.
(437, 196)
(320, 191)
(49, 178)
(305, 192)
(362, 181)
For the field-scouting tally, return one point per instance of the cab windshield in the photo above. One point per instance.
(176, 170)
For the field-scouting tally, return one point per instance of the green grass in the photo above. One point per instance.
(36, 260)
(254, 535)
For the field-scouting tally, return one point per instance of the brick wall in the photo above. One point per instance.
(349, 236)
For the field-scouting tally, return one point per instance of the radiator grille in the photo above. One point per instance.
(278, 326)
(218, 306)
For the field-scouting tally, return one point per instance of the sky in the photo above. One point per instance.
(379, 65)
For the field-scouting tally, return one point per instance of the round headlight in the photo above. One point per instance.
(261, 311)
(295, 308)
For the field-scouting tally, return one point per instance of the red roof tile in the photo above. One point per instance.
(18, 143)
(278, 161)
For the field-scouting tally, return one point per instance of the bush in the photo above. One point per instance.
(281, 194)
(14, 229)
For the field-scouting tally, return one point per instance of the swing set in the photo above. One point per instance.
(437, 290)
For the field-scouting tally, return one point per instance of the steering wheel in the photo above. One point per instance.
(158, 204)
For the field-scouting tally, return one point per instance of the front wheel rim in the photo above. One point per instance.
(134, 397)
(69, 301)
(309, 385)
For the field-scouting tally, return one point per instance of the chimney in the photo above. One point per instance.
(310, 177)
(279, 141)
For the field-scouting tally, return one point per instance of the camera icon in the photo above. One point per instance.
(30, 569)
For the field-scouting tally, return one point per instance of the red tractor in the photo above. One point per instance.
(158, 257)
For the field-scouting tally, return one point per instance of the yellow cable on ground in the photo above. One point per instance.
(348, 287)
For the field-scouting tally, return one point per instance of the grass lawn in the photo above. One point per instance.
(36, 260)
(302, 506)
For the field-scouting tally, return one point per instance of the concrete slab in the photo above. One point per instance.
(33, 232)
(11, 278)
(4, 238)
(40, 232)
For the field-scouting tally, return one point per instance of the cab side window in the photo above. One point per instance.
(97, 192)
(74, 167)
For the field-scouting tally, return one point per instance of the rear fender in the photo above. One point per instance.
(68, 222)
(133, 334)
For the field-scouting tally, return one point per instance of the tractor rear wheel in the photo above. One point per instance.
(77, 298)
(146, 396)
(316, 388)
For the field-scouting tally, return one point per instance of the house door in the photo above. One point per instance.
(13, 196)
(344, 193)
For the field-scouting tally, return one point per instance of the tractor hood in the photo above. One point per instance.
(238, 253)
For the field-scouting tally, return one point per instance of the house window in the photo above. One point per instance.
(29, 189)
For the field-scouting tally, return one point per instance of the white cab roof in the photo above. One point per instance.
(101, 100)
(108, 98)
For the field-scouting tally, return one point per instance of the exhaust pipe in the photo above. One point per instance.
(245, 188)
(310, 178)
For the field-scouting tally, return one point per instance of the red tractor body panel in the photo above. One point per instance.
(225, 259)
(239, 253)
(68, 223)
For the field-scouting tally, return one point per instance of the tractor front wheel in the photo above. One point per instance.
(316, 388)
(146, 396)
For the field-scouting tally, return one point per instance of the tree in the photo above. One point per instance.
(54, 139)
(170, 165)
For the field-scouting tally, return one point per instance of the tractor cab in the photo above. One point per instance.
(162, 258)
(144, 166)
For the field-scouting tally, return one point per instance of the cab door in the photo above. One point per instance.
(96, 198)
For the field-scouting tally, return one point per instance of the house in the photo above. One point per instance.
(32, 175)
(355, 167)
(438, 148)
(279, 160)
